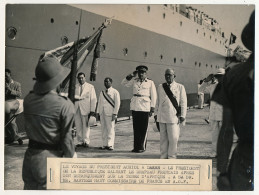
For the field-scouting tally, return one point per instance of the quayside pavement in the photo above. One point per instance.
(194, 143)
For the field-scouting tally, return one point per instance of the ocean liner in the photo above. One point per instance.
(158, 36)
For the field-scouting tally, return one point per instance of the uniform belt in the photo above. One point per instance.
(42, 146)
(138, 95)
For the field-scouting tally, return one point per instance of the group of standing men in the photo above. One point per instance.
(169, 110)
(50, 117)
(85, 108)
(169, 106)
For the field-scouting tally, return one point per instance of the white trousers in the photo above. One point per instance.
(169, 136)
(82, 128)
(215, 128)
(200, 100)
(108, 132)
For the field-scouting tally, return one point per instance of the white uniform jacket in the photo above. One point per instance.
(165, 111)
(104, 107)
(216, 110)
(144, 94)
(88, 103)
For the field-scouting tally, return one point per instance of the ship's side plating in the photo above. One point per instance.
(187, 47)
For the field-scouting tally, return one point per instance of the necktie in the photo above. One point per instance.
(81, 89)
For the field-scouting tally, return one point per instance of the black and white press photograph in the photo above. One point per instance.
(153, 81)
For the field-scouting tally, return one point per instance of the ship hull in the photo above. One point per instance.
(41, 27)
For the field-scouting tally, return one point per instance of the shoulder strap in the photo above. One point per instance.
(108, 98)
(171, 96)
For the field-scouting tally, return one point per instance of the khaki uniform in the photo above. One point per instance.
(49, 120)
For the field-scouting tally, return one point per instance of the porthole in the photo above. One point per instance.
(125, 51)
(103, 48)
(11, 33)
(148, 8)
(145, 54)
(161, 57)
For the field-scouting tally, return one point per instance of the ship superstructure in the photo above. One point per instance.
(159, 36)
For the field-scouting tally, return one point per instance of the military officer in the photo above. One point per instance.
(142, 104)
(48, 121)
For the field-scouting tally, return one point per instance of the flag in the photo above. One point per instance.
(232, 39)
(97, 54)
(84, 46)
(65, 53)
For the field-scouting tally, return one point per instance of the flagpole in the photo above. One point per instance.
(66, 61)
(72, 81)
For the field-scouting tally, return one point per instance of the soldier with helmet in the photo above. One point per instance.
(49, 118)
(142, 104)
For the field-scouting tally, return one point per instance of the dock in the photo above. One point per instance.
(194, 143)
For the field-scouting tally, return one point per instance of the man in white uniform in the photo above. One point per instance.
(142, 105)
(108, 107)
(85, 104)
(169, 114)
(216, 109)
